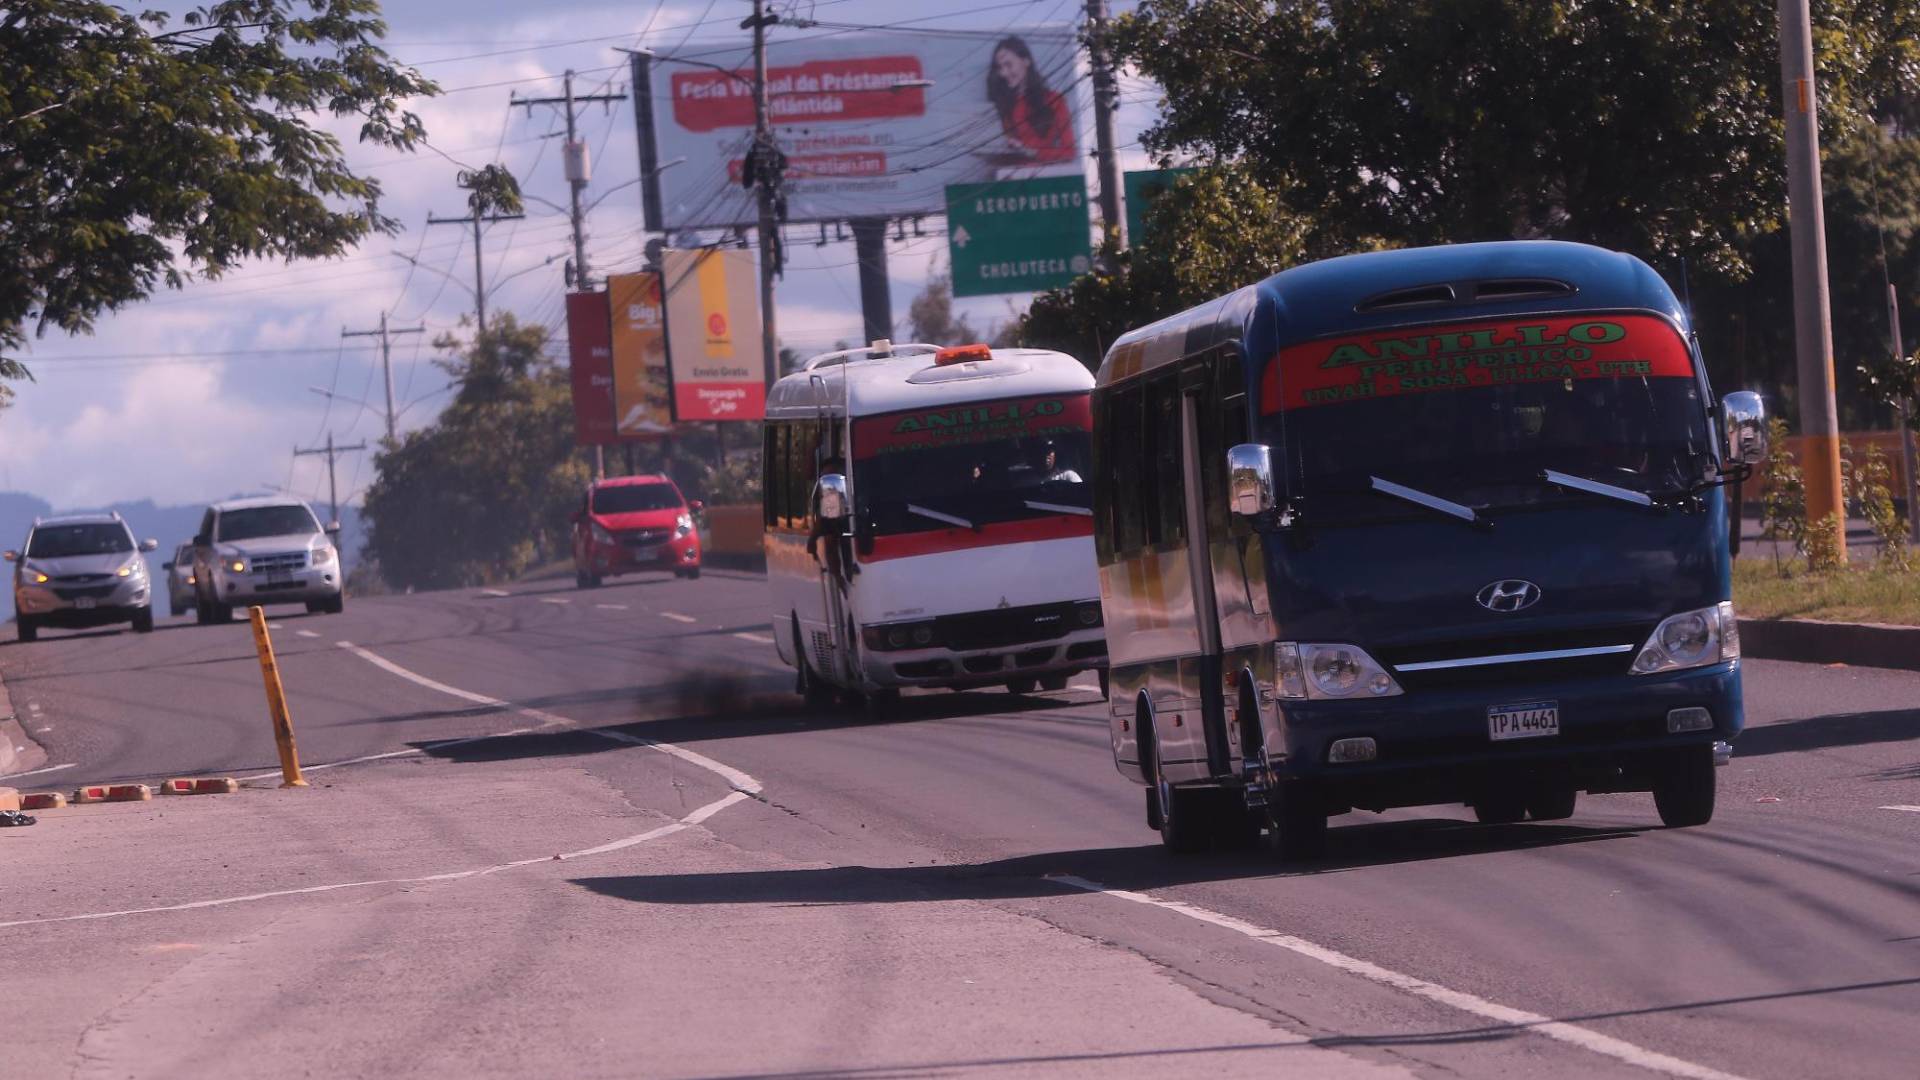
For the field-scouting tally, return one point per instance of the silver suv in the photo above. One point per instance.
(265, 551)
(78, 571)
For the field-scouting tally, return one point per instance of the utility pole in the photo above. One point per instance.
(766, 164)
(1903, 417)
(1106, 96)
(876, 292)
(386, 358)
(479, 272)
(333, 487)
(579, 169)
(1812, 315)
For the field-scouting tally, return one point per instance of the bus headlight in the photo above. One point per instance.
(894, 636)
(1691, 639)
(1308, 670)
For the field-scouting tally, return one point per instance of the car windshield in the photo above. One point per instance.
(973, 464)
(628, 498)
(258, 521)
(65, 541)
(1477, 413)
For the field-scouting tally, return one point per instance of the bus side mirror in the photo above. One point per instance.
(830, 494)
(1744, 415)
(1250, 479)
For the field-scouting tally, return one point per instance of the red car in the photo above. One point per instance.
(633, 523)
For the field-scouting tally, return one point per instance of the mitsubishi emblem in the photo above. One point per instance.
(1508, 596)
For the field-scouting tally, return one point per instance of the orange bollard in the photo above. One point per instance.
(276, 701)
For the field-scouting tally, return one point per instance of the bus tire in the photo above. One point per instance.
(1052, 683)
(1185, 816)
(816, 694)
(1553, 803)
(1020, 686)
(1299, 822)
(1500, 807)
(1683, 787)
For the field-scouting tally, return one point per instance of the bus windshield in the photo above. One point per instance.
(1476, 413)
(973, 464)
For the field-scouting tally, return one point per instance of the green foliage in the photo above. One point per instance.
(930, 317)
(1783, 494)
(133, 156)
(1652, 128)
(486, 491)
(1873, 488)
(1214, 231)
(1827, 545)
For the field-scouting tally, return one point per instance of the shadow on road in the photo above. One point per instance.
(1143, 867)
(1833, 729)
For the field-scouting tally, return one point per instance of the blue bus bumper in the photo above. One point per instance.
(1433, 746)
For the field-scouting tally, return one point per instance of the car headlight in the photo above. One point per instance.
(1306, 670)
(600, 534)
(34, 574)
(322, 555)
(125, 571)
(683, 525)
(1691, 639)
(238, 566)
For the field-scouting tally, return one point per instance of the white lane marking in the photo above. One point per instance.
(555, 600)
(744, 786)
(696, 817)
(1908, 809)
(1572, 1034)
(274, 626)
(33, 706)
(761, 639)
(677, 617)
(611, 607)
(306, 633)
(495, 592)
(37, 772)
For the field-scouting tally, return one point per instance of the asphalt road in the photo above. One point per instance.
(966, 886)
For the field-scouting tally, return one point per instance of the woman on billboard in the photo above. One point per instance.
(1033, 117)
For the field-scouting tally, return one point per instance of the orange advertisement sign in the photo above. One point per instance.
(642, 401)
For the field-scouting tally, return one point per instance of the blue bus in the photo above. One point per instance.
(1417, 527)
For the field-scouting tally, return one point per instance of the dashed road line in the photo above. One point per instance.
(1519, 1019)
(760, 639)
(495, 592)
(555, 600)
(306, 633)
(275, 626)
(1908, 809)
(677, 617)
(611, 607)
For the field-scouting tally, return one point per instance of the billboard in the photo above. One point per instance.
(871, 124)
(713, 334)
(590, 356)
(642, 401)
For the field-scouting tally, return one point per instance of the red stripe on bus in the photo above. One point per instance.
(935, 541)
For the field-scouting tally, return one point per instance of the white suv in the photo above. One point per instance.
(265, 551)
(79, 571)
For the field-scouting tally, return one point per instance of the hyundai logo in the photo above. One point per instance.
(1508, 596)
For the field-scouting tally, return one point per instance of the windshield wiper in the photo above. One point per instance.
(1595, 487)
(936, 515)
(1421, 498)
(1058, 508)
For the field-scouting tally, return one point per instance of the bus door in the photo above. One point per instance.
(1199, 487)
(834, 555)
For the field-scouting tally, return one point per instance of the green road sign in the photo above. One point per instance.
(1142, 186)
(1018, 235)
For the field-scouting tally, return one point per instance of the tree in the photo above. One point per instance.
(486, 491)
(132, 155)
(1651, 128)
(931, 317)
(1213, 231)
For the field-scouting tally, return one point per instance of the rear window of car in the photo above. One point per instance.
(627, 498)
(66, 541)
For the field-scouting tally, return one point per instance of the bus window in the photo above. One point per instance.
(1165, 492)
(1223, 424)
(773, 472)
(1129, 498)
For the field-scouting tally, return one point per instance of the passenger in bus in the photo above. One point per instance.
(1043, 466)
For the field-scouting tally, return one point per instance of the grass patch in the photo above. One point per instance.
(1869, 594)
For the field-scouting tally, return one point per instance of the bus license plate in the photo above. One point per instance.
(1528, 720)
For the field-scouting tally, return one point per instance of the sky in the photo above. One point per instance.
(205, 392)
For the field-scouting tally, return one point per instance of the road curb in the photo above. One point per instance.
(1811, 641)
(113, 793)
(42, 800)
(207, 785)
(10, 726)
(9, 799)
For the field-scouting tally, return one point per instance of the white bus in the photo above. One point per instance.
(928, 521)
